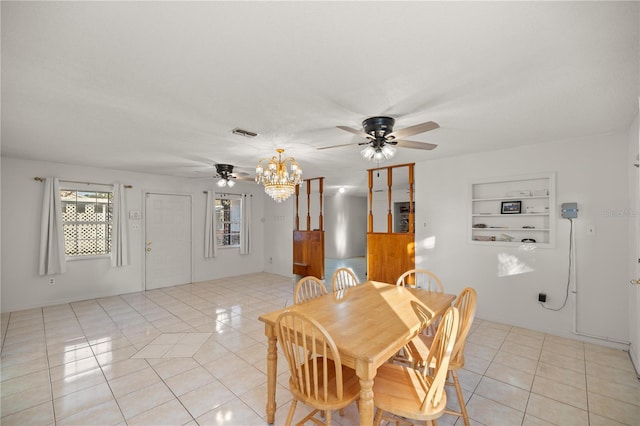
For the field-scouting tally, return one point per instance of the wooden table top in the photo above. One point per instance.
(371, 321)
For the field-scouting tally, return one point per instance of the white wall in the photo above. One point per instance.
(345, 220)
(21, 285)
(278, 227)
(634, 250)
(593, 173)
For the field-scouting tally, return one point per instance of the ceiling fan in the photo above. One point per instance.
(381, 138)
(225, 174)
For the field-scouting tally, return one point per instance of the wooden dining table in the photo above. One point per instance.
(369, 323)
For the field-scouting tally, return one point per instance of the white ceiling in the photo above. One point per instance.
(158, 86)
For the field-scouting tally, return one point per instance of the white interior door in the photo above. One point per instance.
(167, 240)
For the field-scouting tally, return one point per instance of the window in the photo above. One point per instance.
(86, 219)
(228, 221)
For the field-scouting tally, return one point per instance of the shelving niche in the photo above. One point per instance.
(536, 221)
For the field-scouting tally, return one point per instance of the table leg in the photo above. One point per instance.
(366, 373)
(272, 366)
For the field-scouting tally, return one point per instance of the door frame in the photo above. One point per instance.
(143, 239)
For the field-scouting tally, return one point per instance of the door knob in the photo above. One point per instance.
(637, 282)
(148, 248)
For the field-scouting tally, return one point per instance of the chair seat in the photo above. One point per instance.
(401, 390)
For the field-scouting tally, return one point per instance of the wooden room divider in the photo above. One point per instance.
(389, 254)
(308, 244)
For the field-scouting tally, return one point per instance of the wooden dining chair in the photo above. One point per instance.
(417, 393)
(343, 278)
(421, 278)
(320, 381)
(308, 288)
(426, 280)
(417, 350)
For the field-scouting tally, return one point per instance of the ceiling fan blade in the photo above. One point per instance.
(337, 146)
(356, 132)
(415, 145)
(413, 130)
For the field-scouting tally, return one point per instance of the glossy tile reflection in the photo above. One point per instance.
(196, 354)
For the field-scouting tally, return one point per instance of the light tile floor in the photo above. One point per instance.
(76, 364)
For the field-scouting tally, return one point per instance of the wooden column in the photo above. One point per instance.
(411, 207)
(389, 200)
(321, 190)
(370, 218)
(308, 182)
(297, 228)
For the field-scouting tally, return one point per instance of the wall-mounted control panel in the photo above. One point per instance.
(569, 210)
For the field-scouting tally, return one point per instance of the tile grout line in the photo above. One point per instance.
(586, 383)
(84, 333)
(535, 373)
(46, 352)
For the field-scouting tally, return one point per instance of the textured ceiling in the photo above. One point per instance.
(158, 86)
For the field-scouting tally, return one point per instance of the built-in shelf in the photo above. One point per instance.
(401, 216)
(510, 198)
(502, 215)
(536, 220)
(494, 229)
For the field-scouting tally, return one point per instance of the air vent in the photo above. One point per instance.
(245, 133)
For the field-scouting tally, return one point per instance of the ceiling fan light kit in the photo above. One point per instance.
(279, 181)
(378, 154)
(225, 182)
(381, 139)
(225, 174)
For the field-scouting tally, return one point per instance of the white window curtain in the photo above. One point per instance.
(245, 233)
(119, 236)
(52, 256)
(210, 249)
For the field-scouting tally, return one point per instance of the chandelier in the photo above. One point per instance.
(279, 182)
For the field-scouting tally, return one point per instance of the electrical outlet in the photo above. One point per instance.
(52, 281)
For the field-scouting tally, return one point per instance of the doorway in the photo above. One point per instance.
(167, 240)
